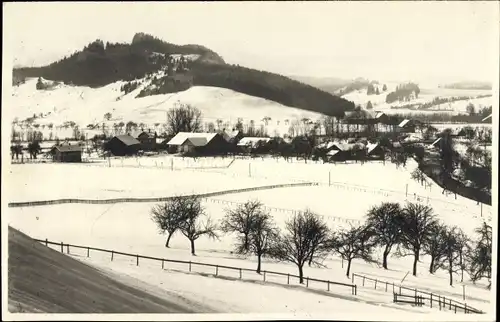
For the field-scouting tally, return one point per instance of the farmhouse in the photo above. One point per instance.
(255, 144)
(199, 143)
(67, 153)
(147, 140)
(122, 145)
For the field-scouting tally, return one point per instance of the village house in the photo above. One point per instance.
(199, 143)
(253, 144)
(147, 140)
(122, 145)
(66, 153)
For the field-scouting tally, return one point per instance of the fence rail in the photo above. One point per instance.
(151, 199)
(328, 283)
(418, 295)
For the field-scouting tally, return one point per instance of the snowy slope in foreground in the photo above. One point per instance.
(85, 105)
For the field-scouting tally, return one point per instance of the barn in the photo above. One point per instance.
(199, 143)
(122, 145)
(67, 153)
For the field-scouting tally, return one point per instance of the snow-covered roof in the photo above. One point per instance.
(343, 146)
(332, 152)
(252, 141)
(371, 146)
(68, 148)
(228, 135)
(436, 142)
(404, 123)
(486, 118)
(181, 137)
(197, 141)
(127, 139)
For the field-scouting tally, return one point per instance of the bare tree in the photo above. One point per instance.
(296, 245)
(168, 217)
(319, 235)
(240, 221)
(192, 212)
(452, 246)
(418, 219)
(355, 242)
(263, 236)
(434, 246)
(480, 256)
(386, 222)
(184, 118)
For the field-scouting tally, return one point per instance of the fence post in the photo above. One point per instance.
(240, 273)
(67, 248)
(393, 291)
(465, 308)
(137, 259)
(450, 304)
(216, 270)
(46, 242)
(190, 266)
(307, 281)
(328, 284)
(455, 308)
(62, 247)
(386, 287)
(352, 279)
(363, 280)
(88, 251)
(439, 301)
(399, 290)
(264, 276)
(431, 300)
(162, 264)
(112, 255)
(375, 283)
(355, 290)
(288, 279)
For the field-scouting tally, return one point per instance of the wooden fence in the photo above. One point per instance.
(418, 296)
(152, 199)
(190, 265)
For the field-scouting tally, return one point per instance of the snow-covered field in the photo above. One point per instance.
(127, 227)
(29, 182)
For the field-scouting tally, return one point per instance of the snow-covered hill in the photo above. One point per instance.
(428, 92)
(85, 105)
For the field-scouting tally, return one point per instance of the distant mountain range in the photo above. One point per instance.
(99, 64)
(468, 85)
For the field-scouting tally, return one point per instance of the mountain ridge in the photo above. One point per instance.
(100, 64)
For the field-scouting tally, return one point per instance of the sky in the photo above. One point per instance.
(431, 41)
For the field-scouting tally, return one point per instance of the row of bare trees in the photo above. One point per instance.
(412, 230)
